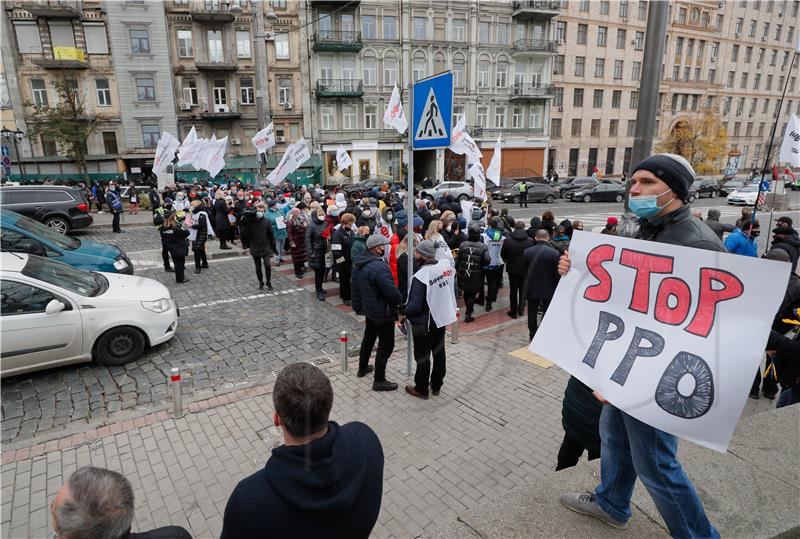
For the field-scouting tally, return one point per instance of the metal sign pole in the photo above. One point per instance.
(410, 226)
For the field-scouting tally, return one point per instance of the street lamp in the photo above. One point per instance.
(15, 136)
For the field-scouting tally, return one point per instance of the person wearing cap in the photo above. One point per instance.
(375, 296)
(492, 237)
(115, 205)
(278, 220)
(786, 238)
(658, 196)
(712, 221)
(611, 226)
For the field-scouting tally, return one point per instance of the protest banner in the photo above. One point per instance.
(187, 148)
(439, 280)
(668, 334)
(165, 152)
(296, 154)
(264, 139)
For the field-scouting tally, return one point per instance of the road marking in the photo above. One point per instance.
(243, 298)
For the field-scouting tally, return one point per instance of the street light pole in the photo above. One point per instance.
(16, 137)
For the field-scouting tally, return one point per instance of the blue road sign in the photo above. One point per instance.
(432, 117)
(6, 151)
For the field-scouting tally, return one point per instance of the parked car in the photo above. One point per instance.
(18, 234)
(745, 196)
(575, 182)
(54, 314)
(459, 190)
(704, 187)
(728, 187)
(59, 207)
(537, 192)
(495, 190)
(604, 192)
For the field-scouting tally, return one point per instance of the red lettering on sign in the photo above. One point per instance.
(732, 288)
(601, 291)
(645, 264)
(677, 288)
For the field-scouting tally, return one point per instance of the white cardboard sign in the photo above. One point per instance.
(669, 334)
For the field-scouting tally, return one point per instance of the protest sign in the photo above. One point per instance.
(439, 280)
(296, 154)
(668, 334)
(165, 152)
(264, 139)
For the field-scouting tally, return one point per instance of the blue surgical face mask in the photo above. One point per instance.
(259, 214)
(647, 205)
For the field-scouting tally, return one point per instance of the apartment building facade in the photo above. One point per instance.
(46, 41)
(731, 56)
(500, 54)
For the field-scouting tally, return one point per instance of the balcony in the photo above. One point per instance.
(335, 3)
(533, 46)
(338, 135)
(211, 11)
(62, 58)
(340, 88)
(53, 9)
(331, 41)
(480, 132)
(222, 112)
(531, 91)
(528, 9)
(216, 66)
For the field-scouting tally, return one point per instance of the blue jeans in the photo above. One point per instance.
(630, 448)
(279, 249)
(788, 397)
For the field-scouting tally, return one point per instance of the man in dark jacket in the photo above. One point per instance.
(326, 480)
(541, 277)
(341, 247)
(473, 256)
(115, 205)
(712, 221)
(155, 199)
(261, 239)
(512, 252)
(786, 238)
(219, 218)
(375, 296)
(658, 196)
(580, 417)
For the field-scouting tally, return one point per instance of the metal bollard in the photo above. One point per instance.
(177, 397)
(343, 349)
(454, 331)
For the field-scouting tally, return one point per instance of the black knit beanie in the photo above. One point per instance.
(672, 169)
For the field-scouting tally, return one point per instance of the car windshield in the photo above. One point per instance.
(46, 233)
(748, 189)
(84, 283)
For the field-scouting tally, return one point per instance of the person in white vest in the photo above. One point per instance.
(430, 308)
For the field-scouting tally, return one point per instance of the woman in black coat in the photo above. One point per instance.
(341, 245)
(580, 417)
(316, 246)
(199, 220)
(219, 216)
(174, 236)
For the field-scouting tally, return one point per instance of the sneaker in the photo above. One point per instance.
(411, 390)
(320, 296)
(362, 374)
(585, 503)
(754, 394)
(169, 270)
(196, 271)
(269, 287)
(435, 392)
(488, 307)
(511, 314)
(384, 385)
(261, 286)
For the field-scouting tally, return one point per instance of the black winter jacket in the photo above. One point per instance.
(402, 274)
(315, 243)
(416, 309)
(373, 292)
(541, 271)
(261, 237)
(472, 257)
(718, 228)
(451, 238)
(513, 251)
(680, 228)
(425, 215)
(343, 239)
(175, 239)
(790, 244)
(219, 215)
(580, 415)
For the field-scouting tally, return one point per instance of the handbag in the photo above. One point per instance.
(328, 254)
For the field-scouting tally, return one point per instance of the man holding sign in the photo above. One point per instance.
(667, 319)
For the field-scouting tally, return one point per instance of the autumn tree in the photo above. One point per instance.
(66, 122)
(702, 140)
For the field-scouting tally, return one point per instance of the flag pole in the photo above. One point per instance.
(771, 144)
(410, 226)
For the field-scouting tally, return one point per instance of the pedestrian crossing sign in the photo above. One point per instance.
(432, 117)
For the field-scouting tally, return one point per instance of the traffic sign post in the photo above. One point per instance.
(432, 112)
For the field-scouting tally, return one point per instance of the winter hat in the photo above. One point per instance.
(714, 214)
(418, 222)
(536, 222)
(474, 233)
(777, 254)
(427, 248)
(341, 201)
(376, 240)
(612, 221)
(462, 223)
(786, 220)
(271, 202)
(672, 169)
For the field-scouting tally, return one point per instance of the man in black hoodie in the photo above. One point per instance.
(512, 253)
(786, 238)
(326, 480)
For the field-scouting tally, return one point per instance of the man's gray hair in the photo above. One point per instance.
(101, 505)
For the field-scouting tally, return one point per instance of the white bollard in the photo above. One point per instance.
(343, 348)
(177, 396)
(454, 332)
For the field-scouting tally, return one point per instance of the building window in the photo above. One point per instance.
(616, 99)
(584, 6)
(756, 81)
(618, 65)
(39, 91)
(638, 41)
(580, 66)
(743, 84)
(458, 29)
(631, 128)
(643, 10)
(389, 72)
(500, 117)
(621, 35)
(418, 69)
(483, 75)
(110, 142)
(96, 40)
(185, 49)
(594, 129)
(458, 73)
(482, 117)
(370, 117)
(623, 9)
(712, 76)
(389, 27)
(145, 90)
(501, 78)
(731, 75)
(558, 64)
(536, 117)
(103, 93)
(140, 41)
(458, 113)
(370, 70)
(682, 15)
(602, 36)
(597, 101)
(576, 127)
(558, 96)
(189, 88)
(285, 91)
(246, 90)
(418, 28)
(561, 31)
(517, 118)
(502, 33)
(636, 74)
(604, 7)
(282, 46)
(599, 67)
(243, 44)
(483, 32)
(215, 53)
(349, 117)
(28, 40)
(49, 147)
(328, 117)
(150, 135)
(368, 29)
(634, 99)
(582, 28)
(613, 127)
(555, 127)
(577, 97)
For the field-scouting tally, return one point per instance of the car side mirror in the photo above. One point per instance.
(54, 306)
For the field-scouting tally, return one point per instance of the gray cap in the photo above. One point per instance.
(427, 248)
(777, 254)
(376, 240)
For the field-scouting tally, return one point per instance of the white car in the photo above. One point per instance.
(53, 314)
(744, 195)
(459, 190)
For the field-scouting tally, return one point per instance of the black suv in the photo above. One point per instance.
(576, 182)
(59, 207)
(704, 187)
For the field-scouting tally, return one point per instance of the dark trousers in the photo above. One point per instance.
(298, 268)
(523, 199)
(570, 453)
(516, 297)
(99, 205)
(164, 254)
(384, 332)
(267, 268)
(200, 260)
(319, 276)
(115, 222)
(426, 348)
(770, 385)
(470, 298)
(533, 313)
(180, 264)
(344, 281)
(222, 243)
(493, 277)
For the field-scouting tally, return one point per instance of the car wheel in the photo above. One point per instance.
(59, 224)
(587, 198)
(463, 197)
(549, 199)
(619, 198)
(691, 198)
(515, 199)
(119, 346)
(714, 194)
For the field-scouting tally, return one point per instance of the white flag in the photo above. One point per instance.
(343, 160)
(187, 149)
(394, 115)
(790, 149)
(463, 144)
(216, 158)
(296, 154)
(200, 151)
(165, 152)
(475, 171)
(264, 139)
(493, 172)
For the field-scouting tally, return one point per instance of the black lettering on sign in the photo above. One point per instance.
(699, 401)
(602, 335)
(637, 350)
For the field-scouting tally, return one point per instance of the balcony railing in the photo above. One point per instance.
(211, 11)
(62, 58)
(534, 45)
(480, 132)
(337, 41)
(216, 66)
(53, 9)
(365, 134)
(228, 111)
(531, 8)
(531, 91)
(340, 88)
